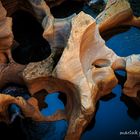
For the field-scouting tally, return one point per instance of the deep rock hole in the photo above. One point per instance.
(30, 46)
(67, 8)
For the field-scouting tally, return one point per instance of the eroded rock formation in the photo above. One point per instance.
(29, 109)
(85, 71)
(132, 84)
(117, 13)
(6, 35)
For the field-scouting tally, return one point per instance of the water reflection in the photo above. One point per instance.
(120, 113)
(132, 103)
(133, 107)
(115, 112)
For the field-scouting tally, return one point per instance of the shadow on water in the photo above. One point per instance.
(115, 112)
(15, 90)
(132, 103)
(108, 97)
(40, 96)
(13, 131)
(27, 129)
(111, 32)
(133, 108)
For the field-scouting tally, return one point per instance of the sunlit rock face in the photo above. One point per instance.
(80, 66)
(120, 9)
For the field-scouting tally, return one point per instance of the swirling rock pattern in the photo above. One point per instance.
(84, 72)
(117, 13)
(89, 67)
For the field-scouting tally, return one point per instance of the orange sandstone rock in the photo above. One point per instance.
(116, 13)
